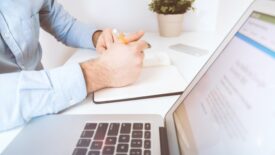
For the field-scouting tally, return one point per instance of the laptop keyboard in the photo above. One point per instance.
(114, 139)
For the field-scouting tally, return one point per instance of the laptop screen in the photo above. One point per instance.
(231, 110)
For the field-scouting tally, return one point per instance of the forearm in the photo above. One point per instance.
(79, 36)
(65, 28)
(30, 94)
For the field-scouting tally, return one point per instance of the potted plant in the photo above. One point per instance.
(170, 15)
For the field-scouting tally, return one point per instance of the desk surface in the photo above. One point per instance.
(188, 66)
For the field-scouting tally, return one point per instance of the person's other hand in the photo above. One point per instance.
(104, 39)
(118, 66)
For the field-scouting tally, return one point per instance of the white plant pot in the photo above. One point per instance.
(170, 25)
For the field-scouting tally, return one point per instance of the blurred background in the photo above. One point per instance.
(218, 16)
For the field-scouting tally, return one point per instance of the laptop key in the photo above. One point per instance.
(135, 152)
(113, 130)
(147, 135)
(87, 134)
(79, 151)
(147, 152)
(137, 134)
(108, 150)
(138, 126)
(136, 143)
(147, 144)
(110, 141)
(90, 126)
(122, 148)
(124, 138)
(125, 128)
(96, 145)
(147, 126)
(94, 153)
(83, 142)
(101, 131)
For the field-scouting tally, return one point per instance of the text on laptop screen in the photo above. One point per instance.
(231, 110)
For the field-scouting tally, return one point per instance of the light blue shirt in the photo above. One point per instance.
(27, 91)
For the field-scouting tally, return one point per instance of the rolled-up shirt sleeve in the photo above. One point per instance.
(29, 94)
(65, 28)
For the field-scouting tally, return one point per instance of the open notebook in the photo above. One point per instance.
(158, 78)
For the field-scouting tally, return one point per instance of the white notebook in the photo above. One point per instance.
(158, 78)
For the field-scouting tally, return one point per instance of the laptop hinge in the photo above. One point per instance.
(163, 141)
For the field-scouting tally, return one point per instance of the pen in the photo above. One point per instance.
(120, 36)
(122, 39)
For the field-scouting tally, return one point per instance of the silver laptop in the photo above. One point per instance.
(228, 109)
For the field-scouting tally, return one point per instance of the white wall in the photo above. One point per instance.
(125, 15)
(133, 15)
(230, 12)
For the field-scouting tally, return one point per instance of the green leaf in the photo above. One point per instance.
(163, 9)
(171, 6)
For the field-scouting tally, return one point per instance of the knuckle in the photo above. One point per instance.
(143, 43)
(136, 49)
(138, 61)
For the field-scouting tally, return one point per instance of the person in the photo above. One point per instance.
(27, 90)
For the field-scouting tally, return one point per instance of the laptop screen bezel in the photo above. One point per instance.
(261, 6)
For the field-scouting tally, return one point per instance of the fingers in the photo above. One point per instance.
(115, 35)
(139, 58)
(105, 40)
(141, 45)
(108, 38)
(142, 57)
(135, 36)
(100, 47)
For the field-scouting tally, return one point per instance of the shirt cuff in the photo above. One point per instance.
(70, 83)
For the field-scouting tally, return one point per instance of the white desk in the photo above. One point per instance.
(188, 66)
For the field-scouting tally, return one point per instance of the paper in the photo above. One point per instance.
(152, 59)
(158, 78)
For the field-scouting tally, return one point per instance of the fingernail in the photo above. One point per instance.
(149, 45)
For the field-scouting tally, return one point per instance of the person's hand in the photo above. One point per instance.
(118, 66)
(102, 40)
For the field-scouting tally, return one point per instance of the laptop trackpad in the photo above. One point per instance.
(55, 134)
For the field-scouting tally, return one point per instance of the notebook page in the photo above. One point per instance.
(153, 81)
